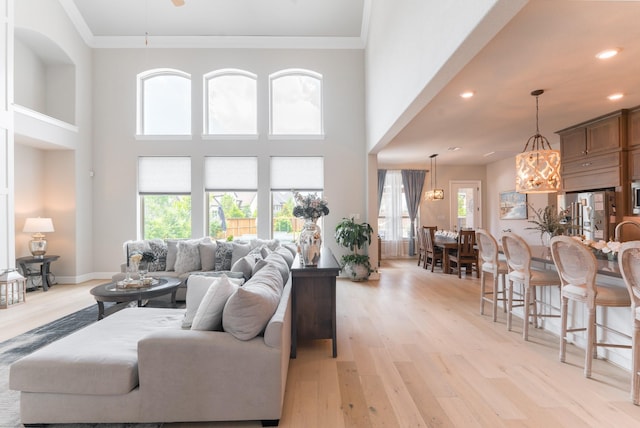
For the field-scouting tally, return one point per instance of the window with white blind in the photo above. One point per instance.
(296, 103)
(231, 185)
(288, 174)
(231, 103)
(164, 190)
(164, 103)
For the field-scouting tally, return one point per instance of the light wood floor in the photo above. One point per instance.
(413, 351)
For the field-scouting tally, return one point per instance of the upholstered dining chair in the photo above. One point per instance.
(577, 267)
(491, 264)
(433, 254)
(518, 255)
(629, 262)
(465, 255)
(422, 249)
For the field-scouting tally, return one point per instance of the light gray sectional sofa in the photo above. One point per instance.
(223, 358)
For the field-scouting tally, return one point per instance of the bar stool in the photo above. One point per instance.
(629, 262)
(577, 267)
(488, 248)
(518, 256)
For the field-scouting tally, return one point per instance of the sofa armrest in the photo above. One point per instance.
(183, 372)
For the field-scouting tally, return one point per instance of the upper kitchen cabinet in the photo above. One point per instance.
(634, 144)
(592, 153)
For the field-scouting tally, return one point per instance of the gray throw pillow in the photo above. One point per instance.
(207, 255)
(239, 251)
(281, 264)
(172, 254)
(286, 255)
(188, 257)
(197, 286)
(159, 250)
(245, 265)
(209, 313)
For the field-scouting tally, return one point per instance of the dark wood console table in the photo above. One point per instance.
(45, 262)
(313, 297)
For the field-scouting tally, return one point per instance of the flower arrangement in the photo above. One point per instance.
(310, 206)
(610, 248)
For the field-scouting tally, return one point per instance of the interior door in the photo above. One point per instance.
(466, 205)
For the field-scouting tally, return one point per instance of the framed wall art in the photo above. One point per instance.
(513, 205)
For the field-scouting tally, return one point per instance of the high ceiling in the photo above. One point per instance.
(550, 45)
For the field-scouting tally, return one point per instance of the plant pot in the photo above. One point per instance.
(356, 271)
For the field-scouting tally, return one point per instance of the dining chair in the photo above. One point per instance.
(577, 267)
(629, 262)
(491, 264)
(518, 255)
(465, 254)
(422, 250)
(433, 253)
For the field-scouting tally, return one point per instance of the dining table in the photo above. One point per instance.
(447, 244)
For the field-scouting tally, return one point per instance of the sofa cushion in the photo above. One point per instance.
(272, 244)
(224, 251)
(172, 254)
(249, 309)
(197, 288)
(100, 359)
(207, 255)
(280, 263)
(239, 251)
(245, 265)
(188, 257)
(286, 255)
(209, 313)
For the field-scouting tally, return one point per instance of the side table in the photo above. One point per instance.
(313, 297)
(45, 267)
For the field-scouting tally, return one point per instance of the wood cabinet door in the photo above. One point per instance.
(634, 164)
(573, 143)
(603, 135)
(634, 128)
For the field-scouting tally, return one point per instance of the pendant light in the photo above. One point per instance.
(538, 170)
(434, 194)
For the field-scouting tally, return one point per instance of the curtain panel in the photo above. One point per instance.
(413, 182)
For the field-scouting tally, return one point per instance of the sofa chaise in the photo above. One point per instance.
(224, 357)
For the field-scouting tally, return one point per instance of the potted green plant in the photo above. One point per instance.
(353, 236)
(549, 223)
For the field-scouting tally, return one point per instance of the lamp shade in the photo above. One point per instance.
(38, 225)
(538, 171)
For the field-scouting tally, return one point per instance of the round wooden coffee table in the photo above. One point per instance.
(111, 293)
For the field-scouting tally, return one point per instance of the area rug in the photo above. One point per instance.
(13, 349)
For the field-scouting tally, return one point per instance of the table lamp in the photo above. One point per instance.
(38, 246)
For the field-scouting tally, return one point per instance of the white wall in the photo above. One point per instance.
(29, 192)
(29, 82)
(116, 149)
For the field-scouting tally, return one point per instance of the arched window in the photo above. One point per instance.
(231, 103)
(164, 102)
(296, 103)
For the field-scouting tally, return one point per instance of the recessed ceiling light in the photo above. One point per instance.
(467, 94)
(614, 97)
(488, 154)
(607, 53)
(454, 149)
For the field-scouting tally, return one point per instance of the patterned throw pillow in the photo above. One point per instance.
(224, 252)
(188, 257)
(159, 250)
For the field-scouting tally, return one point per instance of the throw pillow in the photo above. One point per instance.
(269, 275)
(249, 309)
(197, 286)
(217, 274)
(209, 313)
(224, 251)
(188, 257)
(244, 265)
(272, 244)
(239, 251)
(286, 255)
(265, 251)
(207, 255)
(281, 264)
(159, 250)
(172, 253)
(293, 249)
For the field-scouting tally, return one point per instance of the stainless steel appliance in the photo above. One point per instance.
(592, 214)
(635, 197)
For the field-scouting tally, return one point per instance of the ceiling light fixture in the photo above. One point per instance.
(614, 97)
(538, 171)
(434, 194)
(467, 94)
(607, 53)
(178, 3)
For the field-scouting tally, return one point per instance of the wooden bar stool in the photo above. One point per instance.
(491, 264)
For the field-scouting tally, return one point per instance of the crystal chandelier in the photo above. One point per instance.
(434, 194)
(538, 170)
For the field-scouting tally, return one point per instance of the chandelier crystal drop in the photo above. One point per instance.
(538, 170)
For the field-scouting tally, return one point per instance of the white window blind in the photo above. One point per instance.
(297, 173)
(231, 173)
(164, 175)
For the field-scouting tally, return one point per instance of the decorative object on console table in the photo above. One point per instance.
(313, 301)
(310, 207)
(38, 245)
(354, 236)
(13, 288)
